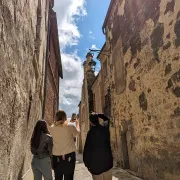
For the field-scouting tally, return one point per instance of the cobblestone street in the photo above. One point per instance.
(81, 173)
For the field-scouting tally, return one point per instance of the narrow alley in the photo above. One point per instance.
(93, 77)
(81, 172)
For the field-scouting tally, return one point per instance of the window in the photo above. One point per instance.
(105, 70)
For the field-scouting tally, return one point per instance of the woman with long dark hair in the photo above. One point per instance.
(64, 157)
(41, 148)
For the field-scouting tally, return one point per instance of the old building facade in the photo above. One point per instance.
(140, 85)
(54, 71)
(23, 53)
(86, 104)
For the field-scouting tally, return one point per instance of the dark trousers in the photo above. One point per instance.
(66, 176)
(64, 168)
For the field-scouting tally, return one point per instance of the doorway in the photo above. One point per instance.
(125, 150)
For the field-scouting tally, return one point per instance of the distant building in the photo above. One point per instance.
(86, 105)
(54, 71)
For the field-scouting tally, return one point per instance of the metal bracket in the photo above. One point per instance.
(98, 51)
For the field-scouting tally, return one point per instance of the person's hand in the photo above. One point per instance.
(93, 113)
(72, 120)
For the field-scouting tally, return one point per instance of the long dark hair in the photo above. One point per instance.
(40, 127)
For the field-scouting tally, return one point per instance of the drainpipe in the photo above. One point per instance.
(103, 30)
(46, 65)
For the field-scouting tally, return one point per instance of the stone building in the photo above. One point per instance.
(86, 104)
(140, 62)
(97, 93)
(23, 54)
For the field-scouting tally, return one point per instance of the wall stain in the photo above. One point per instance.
(176, 58)
(170, 7)
(177, 112)
(167, 46)
(143, 101)
(175, 78)
(170, 23)
(129, 25)
(168, 36)
(177, 30)
(132, 85)
(168, 69)
(157, 40)
(176, 91)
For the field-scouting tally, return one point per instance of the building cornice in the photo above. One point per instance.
(55, 38)
(52, 3)
(108, 14)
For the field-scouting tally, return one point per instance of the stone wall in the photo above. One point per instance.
(86, 104)
(23, 33)
(83, 116)
(97, 94)
(145, 86)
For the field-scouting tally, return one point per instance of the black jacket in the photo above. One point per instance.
(97, 155)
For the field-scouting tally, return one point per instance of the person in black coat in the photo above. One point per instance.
(97, 155)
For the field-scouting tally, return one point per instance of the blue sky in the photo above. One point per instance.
(80, 28)
(90, 27)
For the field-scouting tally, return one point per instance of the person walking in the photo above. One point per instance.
(41, 148)
(97, 155)
(64, 157)
(73, 120)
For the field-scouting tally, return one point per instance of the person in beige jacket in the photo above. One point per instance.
(64, 157)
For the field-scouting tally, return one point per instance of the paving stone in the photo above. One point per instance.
(81, 172)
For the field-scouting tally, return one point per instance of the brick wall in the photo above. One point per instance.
(51, 98)
(53, 63)
(53, 72)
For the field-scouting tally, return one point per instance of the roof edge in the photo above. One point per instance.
(52, 3)
(107, 15)
(55, 36)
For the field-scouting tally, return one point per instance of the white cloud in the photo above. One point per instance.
(91, 36)
(94, 46)
(68, 13)
(70, 86)
(96, 73)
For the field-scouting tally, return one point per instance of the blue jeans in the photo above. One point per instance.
(41, 168)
